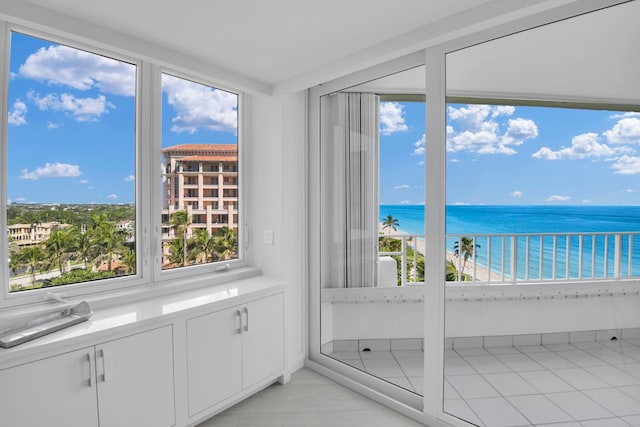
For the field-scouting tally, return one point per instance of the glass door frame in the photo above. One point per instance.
(430, 408)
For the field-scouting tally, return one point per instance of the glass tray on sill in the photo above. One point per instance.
(44, 324)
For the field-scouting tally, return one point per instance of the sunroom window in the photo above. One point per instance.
(200, 203)
(71, 165)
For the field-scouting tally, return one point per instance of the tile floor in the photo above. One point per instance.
(309, 400)
(593, 383)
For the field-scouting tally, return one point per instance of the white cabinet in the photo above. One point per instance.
(135, 380)
(56, 391)
(231, 350)
(124, 382)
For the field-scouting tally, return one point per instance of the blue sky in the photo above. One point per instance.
(72, 123)
(507, 155)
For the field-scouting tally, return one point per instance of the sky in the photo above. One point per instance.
(71, 123)
(506, 155)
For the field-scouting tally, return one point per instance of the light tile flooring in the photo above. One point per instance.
(594, 383)
(309, 400)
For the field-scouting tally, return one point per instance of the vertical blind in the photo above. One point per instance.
(349, 186)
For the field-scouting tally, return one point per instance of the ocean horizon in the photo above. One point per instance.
(535, 219)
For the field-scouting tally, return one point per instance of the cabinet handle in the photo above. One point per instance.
(239, 315)
(104, 367)
(246, 313)
(89, 382)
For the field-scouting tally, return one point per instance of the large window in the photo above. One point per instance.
(71, 160)
(200, 173)
(78, 181)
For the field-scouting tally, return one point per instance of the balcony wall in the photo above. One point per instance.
(481, 310)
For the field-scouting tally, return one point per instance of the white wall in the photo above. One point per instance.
(476, 313)
(277, 203)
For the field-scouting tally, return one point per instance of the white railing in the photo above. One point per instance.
(527, 258)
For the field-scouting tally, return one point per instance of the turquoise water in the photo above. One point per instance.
(468, 220)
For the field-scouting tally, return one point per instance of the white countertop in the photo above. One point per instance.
(106, 322)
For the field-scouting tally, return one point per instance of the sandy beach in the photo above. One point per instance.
(481, 273)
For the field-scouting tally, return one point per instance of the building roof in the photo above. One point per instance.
(230, 158)
(202, 148)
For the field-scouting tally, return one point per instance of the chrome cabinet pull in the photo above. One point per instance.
(89, 382)
(239, 315)
(104, 366)
(246, 313)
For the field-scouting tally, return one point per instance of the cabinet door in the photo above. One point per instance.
(214, 358)
(263, 339)
(57, 391)
(135, 380)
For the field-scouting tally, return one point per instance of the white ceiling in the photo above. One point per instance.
(589, 58)
(267, 40)
(300, 43)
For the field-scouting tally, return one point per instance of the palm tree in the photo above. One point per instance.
(129, 261)
(226, 243)
(465, 248)
(181, 221)
(84, 245)
(60, 245)
(175, 248)
(33, 258)
(203, 246)
(390, 223)
(109, 240)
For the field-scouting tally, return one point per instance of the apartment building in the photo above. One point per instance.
(203, 180)
(31, 234)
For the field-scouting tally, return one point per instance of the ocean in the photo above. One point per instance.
(482, 220)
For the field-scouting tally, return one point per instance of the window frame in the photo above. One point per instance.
(149, 277)
(189, 272)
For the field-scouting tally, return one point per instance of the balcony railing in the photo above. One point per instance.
(525, 258)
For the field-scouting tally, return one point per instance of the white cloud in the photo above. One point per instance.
(130, 178)
(82, 109)
(516, 194)
(405, 202)
(628, 190)
(20, 200)
(519, 131)
(84, 181)
(583, 146)
(586, 201)
(112, 196)
(627, 165)
(421, 162)
(626, 131)
(200, 107)
(420, 145)
(52, 125)
(18, 115)
(66, 66)
(558, 198)
(392, 118)
(455, 160)
(503, 110)
(401, 187)
(479, 131)
(623, 115)
(52, 170)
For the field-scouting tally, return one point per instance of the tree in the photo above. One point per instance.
(465, 248)
(60, 245)
(84, 245)
(226, 243)
(129, 261)
(175, 248)
(33, 258)
(181, 220)
(108, 240)
(390, 223)
(203, 245)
